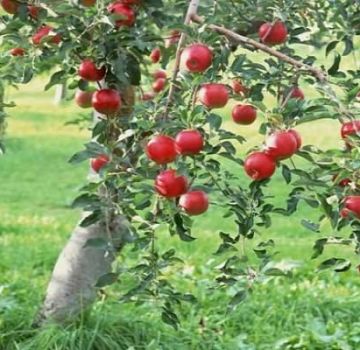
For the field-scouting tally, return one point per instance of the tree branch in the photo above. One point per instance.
(317, 73)
(191, 12)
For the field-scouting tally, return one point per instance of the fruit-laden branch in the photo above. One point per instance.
(318, 73)
(191, 12)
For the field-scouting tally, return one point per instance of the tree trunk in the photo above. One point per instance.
(72, 286)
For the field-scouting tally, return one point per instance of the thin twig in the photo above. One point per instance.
(318, 73)
(191, 12)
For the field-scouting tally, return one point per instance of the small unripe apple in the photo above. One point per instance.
(171, 185)
(238, 87)
(297, 138)
(122, 14)
(10, 6)
(273, 33)
(44, 35)
(160, 74)
(161, 149)
(244, 114)
(106, 101)
(281, 145)
(84, 98)
(87, 3)
(99, 162)
(17, 51)
(194, 202)
(88, 71)
(259, 166)
(159, 84)
(197, 58)
(147, 96)
(297, 93)
(351, 205)
(155, 55)
(213, 95)
(189, 142)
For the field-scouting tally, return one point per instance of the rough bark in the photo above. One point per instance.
(72, 286)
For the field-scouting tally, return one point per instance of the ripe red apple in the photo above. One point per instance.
(33, 11)
(106, 101)
(273, 33)
(10, 6)
(99, 162)
(44, 35)
(189, 142)
(89, 71)
(173, 38)
(281, 145)
(161, 149)
(213, 95)
(350, 128)
(297, 138)
(351, 205)
(147, 96)
(238, 87)
(170, 185)
(197, 58)
(194, 202)
(84, 98)
(123, 14)
(159, 84)
(259, 166)
(159, 74)
(17, 51)
(297, 93)
(155, 55)
(244, 114)
(87, 3)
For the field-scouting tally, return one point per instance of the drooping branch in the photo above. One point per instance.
(191, 13)
(317, 73)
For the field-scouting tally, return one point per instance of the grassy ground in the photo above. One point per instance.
(306, 311)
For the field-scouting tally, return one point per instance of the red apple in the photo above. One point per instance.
(238, 87)
(351, 205)
(297, 137)
(84, 98)
(170, 185)
(99, 162)
(213, 95)
(350, 128)
(159, 74)
(297, 93)
(147, 96)
(244, 114)
(194, 202)
(44, 35)
(259, 166)
(197, 58)
(159, 84)
(106, 101)
(155, 55)
(10, 6)
(123, 14)
(33, 11)
(273, 33)
(161, 149)
(87, 3)
(189, 142)
(281, 145)
(88, 71)
(17, 51)
(173, 38)
(343, 182)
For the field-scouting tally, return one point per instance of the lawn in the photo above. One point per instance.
(309, 310)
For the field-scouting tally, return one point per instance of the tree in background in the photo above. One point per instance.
(160, 151)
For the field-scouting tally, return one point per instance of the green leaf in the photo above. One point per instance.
(331, 46)
(310, 225)
(238, 298)
(335, 66)
(170, 318)
(91, 219)
(107, 279)
(98, 242)
(181, 230)
(338, 264)
(56, 78)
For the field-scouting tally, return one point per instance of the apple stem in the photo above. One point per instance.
(191, 13)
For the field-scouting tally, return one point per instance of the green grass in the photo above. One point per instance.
(307, 311)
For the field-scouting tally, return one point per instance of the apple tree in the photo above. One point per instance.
(160, 148)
